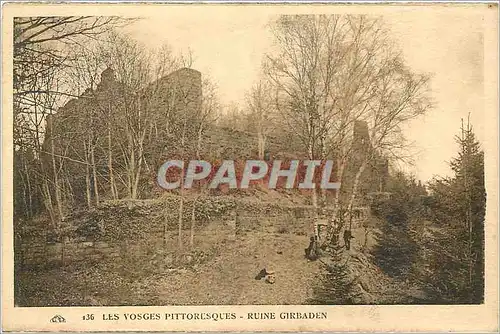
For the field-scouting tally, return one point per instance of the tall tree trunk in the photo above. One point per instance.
(130, 165)
(181, 192)
(139, 168)
(30, 193)
(70, 194)
(333, 228)
(112, 183)
(261, 143)
(135, 186)
(193, 223)
(94, 174)
(336, 199)
(323, 157)
(48, 203)
(314, 197)
(57, 187)
(180, 221)
(165, 224)
(193, 210)
(25, 195)
(181, 209)
(355, 189)
(88, 189)
(45, 186)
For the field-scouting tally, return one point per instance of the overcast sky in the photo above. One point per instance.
(229, 49)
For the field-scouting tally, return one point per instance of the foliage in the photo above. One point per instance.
(335, 286)
(458, 208)
(437, 240)
(396, 250)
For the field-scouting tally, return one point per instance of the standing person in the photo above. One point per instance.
(312, 250)
(347, 239)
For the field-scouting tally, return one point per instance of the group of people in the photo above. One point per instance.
(313, 251)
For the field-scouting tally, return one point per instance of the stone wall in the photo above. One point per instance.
(276, 219)
(144, 229)
(60, 253)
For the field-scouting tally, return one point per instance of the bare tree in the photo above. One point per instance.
(208, 110)
(330, 72)
(317, 75)
(42, 50)
(261, 112)
(399, 96)
(128, 100)
(43, 44)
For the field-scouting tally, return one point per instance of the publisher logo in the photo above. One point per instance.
(58, 319)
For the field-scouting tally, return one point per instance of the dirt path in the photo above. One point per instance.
(229, 278)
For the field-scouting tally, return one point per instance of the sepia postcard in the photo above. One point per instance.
(250, 167)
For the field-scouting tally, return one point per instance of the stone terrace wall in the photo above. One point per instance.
(120, 228)
(275, 219)
(37, 253)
